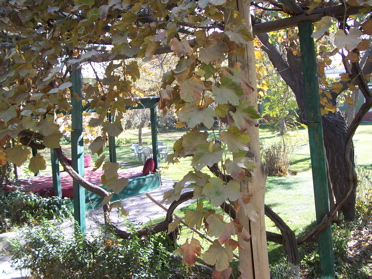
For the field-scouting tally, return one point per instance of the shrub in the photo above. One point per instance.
(276, 159)
(19, 208)
(49, 253)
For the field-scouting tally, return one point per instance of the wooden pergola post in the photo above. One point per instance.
(317, 150)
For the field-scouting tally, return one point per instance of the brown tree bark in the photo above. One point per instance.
(334, 124)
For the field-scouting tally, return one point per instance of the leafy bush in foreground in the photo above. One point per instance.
(49, 253)
(20, 208)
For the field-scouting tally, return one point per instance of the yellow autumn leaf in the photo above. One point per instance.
(3, 158)
(172, 226)
(349, 100)
(258, 54)
(37, 163)
(17, 155)
(337, 87)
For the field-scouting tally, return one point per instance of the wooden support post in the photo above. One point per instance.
(112, 144)
(77, 145)
(55, 173)
(317, 151)
(154, 135)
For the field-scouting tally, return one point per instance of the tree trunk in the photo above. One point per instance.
(253, 255)
(334, 124)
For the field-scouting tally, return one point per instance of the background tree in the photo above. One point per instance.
(340, 155)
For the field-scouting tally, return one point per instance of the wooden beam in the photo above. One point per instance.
(316, 15)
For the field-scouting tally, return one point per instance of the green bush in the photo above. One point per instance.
(276, 159)
(19, 208)
(49, 253)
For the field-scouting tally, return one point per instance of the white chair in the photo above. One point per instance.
(163, 152)
(137, 151)
(147, 153)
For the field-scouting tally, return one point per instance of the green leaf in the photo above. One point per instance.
(244, 115)
(219, 256)
(17, 154)
(8, 114)
(207, 155)
(37, 163)
(192, 139)
(235, 139)
(208, 69)
(193, 115)
(218, 192)
(191, 90)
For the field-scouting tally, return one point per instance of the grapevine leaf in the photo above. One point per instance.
(367, 27)
(220, 229)
(235, 140)
(194, 115)
(17, 155)
(195, 218)
(113, 128)
(191, 89)
(322, 26)
(249, 210)
(236, 167)
(52, 140)
(243, 115)
(190, 251)
(3, 158)
(97, 145)
(348, 41)
(107, 199)
(219, 256)
(192, 139)
(213, 52)
(240, 35)
(207, 155)
(37, 163)
(172, 226)
(117, 185)
(224, 274)
(180, 48)
(217, 192)
(204, 3)
(110, 169)
(7, 115)
(46, 128)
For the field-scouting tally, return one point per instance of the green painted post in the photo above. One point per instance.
(112, 144)
(318, 159)
(77, 146)
(34, 152)
(154, 135)
(55, 173)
